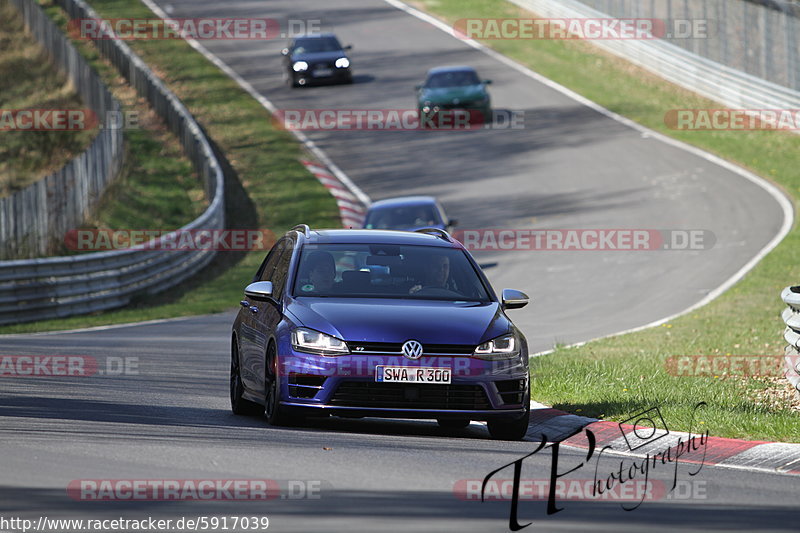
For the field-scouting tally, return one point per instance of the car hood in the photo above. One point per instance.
(446, 95)
(318, 56)
(387, 320)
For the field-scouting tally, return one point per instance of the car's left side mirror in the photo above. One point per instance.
(417, 87)
(348, 47)
(453, 222)
(487, 82)
(260, 290)
(514, 299)
(285, 52)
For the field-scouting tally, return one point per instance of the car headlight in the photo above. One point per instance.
(310, 341)
(342, 62)
(300, 66)
(503, 347)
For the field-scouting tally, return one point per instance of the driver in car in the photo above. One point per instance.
(321, 272)
(437, 273)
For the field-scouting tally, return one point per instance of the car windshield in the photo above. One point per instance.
(456, 78)
(406, 217)
(316, 44)
(388, 271)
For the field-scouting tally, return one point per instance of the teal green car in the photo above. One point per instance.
(448, 89)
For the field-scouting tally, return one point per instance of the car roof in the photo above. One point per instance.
(374, 236)
(402, 201)
(315, 36)
(460, 68)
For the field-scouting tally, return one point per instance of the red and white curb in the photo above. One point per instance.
(351, 208)
(558, 426)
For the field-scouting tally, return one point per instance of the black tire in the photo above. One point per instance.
(289, 81)
(422, 119)
(239, 405)
(453, 423)
(514, 428)
(277, 415)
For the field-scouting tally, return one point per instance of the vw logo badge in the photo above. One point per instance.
(412, 349)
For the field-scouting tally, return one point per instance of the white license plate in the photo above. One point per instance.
(412, 374)
(322, 72)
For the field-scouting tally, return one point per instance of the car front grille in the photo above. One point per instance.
(396, 348)
(321, 64)
(410, 396)
(459, 106)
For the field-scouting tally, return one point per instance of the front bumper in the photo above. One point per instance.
(308, 77)
(448, 116)
(346, 385)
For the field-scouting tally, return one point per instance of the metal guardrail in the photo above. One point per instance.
(791, 317)
(38, 289)
(730, 87)
(759, 37)
(34, 219)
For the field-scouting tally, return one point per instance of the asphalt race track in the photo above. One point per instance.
(570, 167)
(172, 421)
(167, 416)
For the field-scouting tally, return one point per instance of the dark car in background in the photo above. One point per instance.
(447, 89)
(316, 59)
(367, 323)
(407, 213)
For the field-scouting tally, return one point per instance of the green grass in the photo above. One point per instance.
(266, 185)
(29, 81)
(157, 187)
(616, 377)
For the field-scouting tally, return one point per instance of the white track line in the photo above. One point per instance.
(786, 206)
(103, 328)
(772, 190)
(269, 106)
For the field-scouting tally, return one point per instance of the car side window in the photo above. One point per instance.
(282, 270)
(268, 266)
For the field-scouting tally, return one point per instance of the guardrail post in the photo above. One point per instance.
(791, 317)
